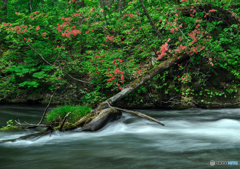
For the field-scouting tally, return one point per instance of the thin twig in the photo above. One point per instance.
(61, 70)
(183, 34)
(39, 54)
(27, 124)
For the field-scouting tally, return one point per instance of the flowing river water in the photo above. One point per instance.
(190, 139)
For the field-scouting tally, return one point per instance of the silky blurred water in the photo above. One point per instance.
(190, 139)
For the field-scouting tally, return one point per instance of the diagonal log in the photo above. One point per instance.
(141, 80)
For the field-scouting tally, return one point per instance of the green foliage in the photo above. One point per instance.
(57, 39)
(57, 114)
(93, 97)
(9, 123)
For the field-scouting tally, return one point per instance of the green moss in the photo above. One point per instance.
(182, 107)
(4, 52)
(147, 105)
(10, 128)
(152, 70)
(136, 81)
(66, 127)
(58, 114)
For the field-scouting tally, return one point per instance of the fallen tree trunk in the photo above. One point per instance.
(128, 89)
(34, 136)
(141, 80)
(135, 85)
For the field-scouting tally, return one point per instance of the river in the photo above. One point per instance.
(190, 139)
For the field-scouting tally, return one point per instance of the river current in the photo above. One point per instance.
(190, 139)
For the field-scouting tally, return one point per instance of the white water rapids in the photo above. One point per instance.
(190, 138)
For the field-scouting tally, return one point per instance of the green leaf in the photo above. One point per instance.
(29, 84)
(234, 25)
(225, 29)
(47, 67)
(39, 75)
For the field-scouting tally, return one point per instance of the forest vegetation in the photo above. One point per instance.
(89, 50)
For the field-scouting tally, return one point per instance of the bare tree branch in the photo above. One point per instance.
(62, 70)
(47, 107)
(137, 113)
(27, 124)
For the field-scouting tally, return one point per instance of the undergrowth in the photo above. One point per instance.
(58, 114)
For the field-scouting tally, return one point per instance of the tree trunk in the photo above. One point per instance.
(3, 9)
(79, 4)
(106, 3)
(3, 18)
(151, 22)
(30, 6)
(121, 5)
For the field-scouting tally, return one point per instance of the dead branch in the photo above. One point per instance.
(37, 125)
(47, 107)
(64, 120)
(27, 124)
(138, 114)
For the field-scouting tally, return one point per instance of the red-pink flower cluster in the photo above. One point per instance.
(139, 48)
(77, 14)
(211, 62)
(163, 50)
(180, 49)
(117, 71)
(59, 28)
(37, 28)
(109, 38)
(211, 10)
(44, 34)
(92, 9)
(186, 78)
(65, 19)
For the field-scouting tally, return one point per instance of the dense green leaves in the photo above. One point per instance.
(113, 47)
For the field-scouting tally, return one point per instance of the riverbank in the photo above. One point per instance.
(151, 100)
